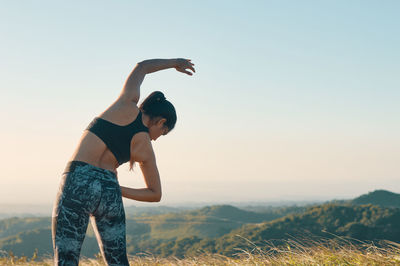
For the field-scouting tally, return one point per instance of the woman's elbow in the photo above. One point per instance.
(141, 66)
(157, 197)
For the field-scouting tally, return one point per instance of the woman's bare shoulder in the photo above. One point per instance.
(121, 104)
(141, 147)
(120, 112)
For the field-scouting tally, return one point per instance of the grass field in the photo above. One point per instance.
(294, 253)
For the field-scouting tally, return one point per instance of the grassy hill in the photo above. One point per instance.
(23, 235)
(135, 211)
(333, 253)
(366, 222)
(211, 221)
(215, 229)
(21, 244)
(12, 226)
(25, 243)
(382, 198)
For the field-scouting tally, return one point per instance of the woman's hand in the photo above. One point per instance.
(183, 64)
(131, 90)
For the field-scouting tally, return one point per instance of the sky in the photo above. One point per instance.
(291, 100)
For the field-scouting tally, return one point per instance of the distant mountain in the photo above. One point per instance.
(20, 234)
(367, 222)
(171, 231)
(211, 221)
(25, 243)
(267, 213)
(233, 214)
(208, 222)
(135, 211)
(13, 226)
(382, 198)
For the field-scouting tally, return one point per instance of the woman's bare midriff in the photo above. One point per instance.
(91, 149)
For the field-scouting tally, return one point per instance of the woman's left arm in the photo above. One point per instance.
(131, 90)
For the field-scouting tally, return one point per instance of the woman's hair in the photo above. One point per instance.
(156, 106)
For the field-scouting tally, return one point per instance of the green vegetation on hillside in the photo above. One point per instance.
(365, 222)
(221, 229)
(142, 232)
(381, 198)
(12, 226)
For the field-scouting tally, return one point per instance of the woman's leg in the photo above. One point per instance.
(108, 223)
(76, 195)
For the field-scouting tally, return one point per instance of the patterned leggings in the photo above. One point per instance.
(87, 190)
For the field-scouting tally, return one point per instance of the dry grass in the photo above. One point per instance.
(332, 252)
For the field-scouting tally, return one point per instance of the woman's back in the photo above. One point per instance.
(92, 149)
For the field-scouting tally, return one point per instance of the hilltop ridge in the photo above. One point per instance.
(383, 198)
(215, 228)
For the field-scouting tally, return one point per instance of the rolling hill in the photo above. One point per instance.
(381, 198)
(23, 235)
(216, 228)
(365, 222)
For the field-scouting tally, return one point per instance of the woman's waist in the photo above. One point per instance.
(103, 161)
(88, 168)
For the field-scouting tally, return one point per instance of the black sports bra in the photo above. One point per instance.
(117, 138)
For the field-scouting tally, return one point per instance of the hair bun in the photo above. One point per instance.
(156, 98)
(160, 98)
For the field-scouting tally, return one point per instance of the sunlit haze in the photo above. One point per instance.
(291, 100)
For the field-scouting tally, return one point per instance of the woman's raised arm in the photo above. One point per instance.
(131, 90)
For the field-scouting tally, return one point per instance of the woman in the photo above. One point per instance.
(89, 185)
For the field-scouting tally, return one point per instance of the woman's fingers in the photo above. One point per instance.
(187, 72)
(184, 71)
(190, 66)
(189, 60)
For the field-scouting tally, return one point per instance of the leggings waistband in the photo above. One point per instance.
(72, 165)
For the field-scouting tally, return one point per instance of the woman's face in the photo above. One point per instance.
(158, 129)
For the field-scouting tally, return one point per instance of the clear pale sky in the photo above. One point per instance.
(291, 99)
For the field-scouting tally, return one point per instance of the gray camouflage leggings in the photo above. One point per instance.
(88, 191)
